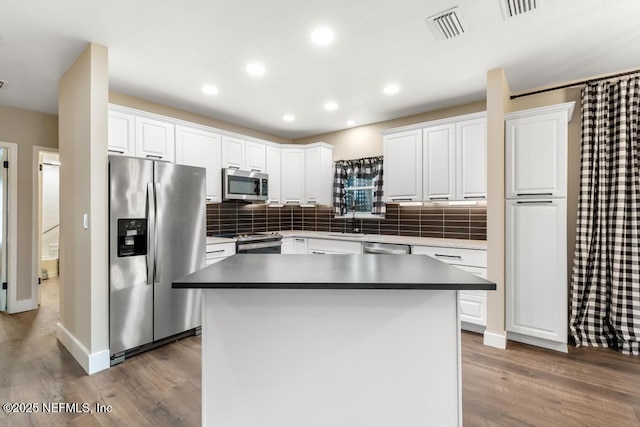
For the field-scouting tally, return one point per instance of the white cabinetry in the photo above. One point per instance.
(439, 162)
(536, 226)
(255, 156)
(330, 246)
(122, 133)
(318, 168)
(216, 252)
(293, 175)
(155, 139)
(274, 170)
(536, 269)
(471, 159)
(536, 153)
(233, 154)
(200, 147)
(402, 166)
(294, 245)
(240, 154)
(454, 160)
(473, 304)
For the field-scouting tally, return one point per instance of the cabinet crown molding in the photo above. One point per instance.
(567, 106)
(445, 121)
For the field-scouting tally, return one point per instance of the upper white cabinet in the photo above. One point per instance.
(439, 162)
(122, 133)
(471, 159)
(274, 170)
(318, 168)
(240, 154)
(199, 147)
(402, 166)
(536, 152)
(293, 175)
(255, 156)
(233, 152)
(155, 139)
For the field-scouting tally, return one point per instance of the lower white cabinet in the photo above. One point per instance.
(329, 246)
(536, 272)
(294, 245)
(216, 252)
(473, 304)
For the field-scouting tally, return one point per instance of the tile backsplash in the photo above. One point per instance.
(431, 220)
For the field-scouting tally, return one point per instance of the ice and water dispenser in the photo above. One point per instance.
(132, 237)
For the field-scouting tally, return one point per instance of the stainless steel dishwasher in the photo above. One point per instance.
(386, 249)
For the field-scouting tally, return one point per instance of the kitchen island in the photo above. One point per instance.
(331, 340)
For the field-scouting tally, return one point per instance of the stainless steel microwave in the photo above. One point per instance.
(244, 185)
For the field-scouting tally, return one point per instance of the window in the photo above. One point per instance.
(358, 182)
(361, 189)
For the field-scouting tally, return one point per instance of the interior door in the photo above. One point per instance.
(181, 250)
(4, 199)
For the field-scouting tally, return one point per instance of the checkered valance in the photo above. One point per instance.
(605, 288)
(368, 167)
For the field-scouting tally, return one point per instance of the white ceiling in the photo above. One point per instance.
(166, 50)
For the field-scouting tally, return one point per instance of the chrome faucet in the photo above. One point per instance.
(353, 211)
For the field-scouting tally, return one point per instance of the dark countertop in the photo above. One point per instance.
(368, 271)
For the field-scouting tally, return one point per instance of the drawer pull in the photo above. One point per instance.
(448, 256)
(535, 194)
(153, 156)
(215, 252)
(115, 151)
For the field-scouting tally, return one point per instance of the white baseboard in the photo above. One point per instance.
(538, 342)
(91, 363)
(495, 340)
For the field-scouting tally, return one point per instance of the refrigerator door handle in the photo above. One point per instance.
(151, 233)
(156, 266)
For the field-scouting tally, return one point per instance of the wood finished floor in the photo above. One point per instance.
(521, 386)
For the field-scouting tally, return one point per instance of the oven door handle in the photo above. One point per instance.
(249, 246)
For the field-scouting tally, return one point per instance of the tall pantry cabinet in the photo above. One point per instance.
(536, 225)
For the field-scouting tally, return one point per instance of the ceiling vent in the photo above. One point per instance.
(512, 8)
(448, 24)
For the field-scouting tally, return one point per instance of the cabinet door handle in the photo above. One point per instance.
(115, 151)
(448, 256)
(533, 202)
(439, 198)
(401, 199)
(153, 156)
(219, 251)
(293, 201)
(317, 253)
(475, 197)
(256, 170)
(535, 194)
(299, 240)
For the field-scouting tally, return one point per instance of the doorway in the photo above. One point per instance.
(47, 229)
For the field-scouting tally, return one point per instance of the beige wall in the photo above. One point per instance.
(82, 106)
(497, 105)
(27, 129)
(152, 107)
(366, 141)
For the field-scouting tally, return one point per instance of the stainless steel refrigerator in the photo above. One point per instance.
(157, 224)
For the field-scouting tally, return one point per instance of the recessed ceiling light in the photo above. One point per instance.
(330, 106)
(350, 123)
(288, 117)
(210, 90)
(391, 89)
(322, 36)
(256, 69)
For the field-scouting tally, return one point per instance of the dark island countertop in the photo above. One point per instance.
(367, 271)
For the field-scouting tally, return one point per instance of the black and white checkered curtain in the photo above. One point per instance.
(368, 167)
(605, 285)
